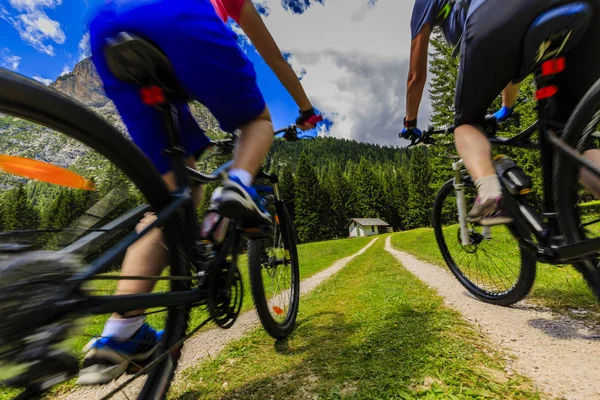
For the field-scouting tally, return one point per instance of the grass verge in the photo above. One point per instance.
(373, 331)
(562, 289)
(313, 257)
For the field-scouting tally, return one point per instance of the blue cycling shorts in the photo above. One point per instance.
(206, 59)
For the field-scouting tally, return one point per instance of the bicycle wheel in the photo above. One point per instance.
(40, 124)
(275, 275)
(488, 267)
(577, 217)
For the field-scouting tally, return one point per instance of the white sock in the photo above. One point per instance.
(244, 176)
(488, 187)
(122, 328)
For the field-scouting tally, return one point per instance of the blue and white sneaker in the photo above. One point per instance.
(107, 358)
(237, 201)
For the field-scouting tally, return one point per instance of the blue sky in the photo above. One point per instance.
(351, 54)
(45, 57)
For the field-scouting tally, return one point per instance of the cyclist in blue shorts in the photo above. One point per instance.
(211, 67)
(491, 34)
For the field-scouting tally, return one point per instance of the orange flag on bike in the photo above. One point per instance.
(42, 171)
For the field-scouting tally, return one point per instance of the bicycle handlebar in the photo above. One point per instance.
(426, 138)
(291, 135)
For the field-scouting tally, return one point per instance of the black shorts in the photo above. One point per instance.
(490, 57)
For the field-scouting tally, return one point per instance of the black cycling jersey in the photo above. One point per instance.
(490, 56)
(450, 15)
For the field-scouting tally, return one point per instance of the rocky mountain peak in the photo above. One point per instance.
(83, 84)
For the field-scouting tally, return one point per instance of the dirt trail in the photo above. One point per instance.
(560, 355)
(208, 344)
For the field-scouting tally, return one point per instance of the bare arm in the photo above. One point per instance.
(417, 73)
(255, 28)
(509, 95)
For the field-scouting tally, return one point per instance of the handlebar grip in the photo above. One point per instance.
(314, 120)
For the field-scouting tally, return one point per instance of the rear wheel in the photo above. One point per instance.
(578, 214)
(275, 275)
(495, 267)
(38, 124)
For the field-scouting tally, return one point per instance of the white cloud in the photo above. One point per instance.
(84, 47)
(45, 81)
(8, 60)
(66, 70)
(34, 25)
(355, 59)
(28, 5)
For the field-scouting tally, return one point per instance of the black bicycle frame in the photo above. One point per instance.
(549, 249)
(181, 206)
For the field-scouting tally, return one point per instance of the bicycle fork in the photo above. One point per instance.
(461, 202)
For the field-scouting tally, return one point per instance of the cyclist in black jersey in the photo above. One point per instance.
(489, 35)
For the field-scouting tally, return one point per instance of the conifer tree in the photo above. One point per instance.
(420, 194)
(287, 189)
(311, 203)
(18, 213)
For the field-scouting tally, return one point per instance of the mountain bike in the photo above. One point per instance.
(48, 285)
(498, 264)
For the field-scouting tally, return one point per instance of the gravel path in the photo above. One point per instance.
(208, 344)
(560, 355)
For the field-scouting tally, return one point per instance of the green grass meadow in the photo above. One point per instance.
(313, 257)
(372, 331)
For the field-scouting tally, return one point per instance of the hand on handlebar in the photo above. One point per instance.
(426, 137)
(308, 119)
(291, 133)
(410, 131)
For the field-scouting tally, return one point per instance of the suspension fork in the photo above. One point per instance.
(461, 202)
(276, 191)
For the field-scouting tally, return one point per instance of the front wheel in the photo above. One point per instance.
(488, 266)
(275, 275)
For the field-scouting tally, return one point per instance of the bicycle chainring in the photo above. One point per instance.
(225, 301)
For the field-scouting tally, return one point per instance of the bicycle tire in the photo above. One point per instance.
(524, 281)
(577, 134)
(27, 99)
(278, 330)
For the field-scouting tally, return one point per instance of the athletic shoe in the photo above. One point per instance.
(237, 201)
(108, 358)
(488, 212)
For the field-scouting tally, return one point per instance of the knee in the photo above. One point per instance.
(148, 219)
(467, 128)
(260, 120)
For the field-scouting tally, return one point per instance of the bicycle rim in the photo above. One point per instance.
(275, 276)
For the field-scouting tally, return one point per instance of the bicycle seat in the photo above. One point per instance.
(552, 34)
(137, 60)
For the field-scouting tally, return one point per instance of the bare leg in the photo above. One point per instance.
(586, 178)
(254, 143)
(509, 95)
(475, 150)
(148, 256)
